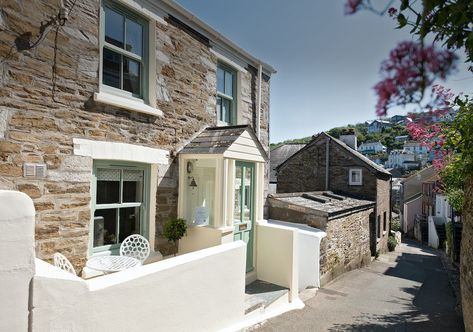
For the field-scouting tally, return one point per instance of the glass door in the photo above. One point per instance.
(243, 215)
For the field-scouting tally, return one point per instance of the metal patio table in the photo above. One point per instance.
(110, 264)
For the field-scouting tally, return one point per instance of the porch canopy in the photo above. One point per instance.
(210, 184)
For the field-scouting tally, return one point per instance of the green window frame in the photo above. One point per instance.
(116, 207)
(226, 94)
(120, 62)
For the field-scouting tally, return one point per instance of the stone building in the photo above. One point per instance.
(277, 157)
(97, 100)
(344, 219)
(328, 164)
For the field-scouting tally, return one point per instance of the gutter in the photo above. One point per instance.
(258, 107)
(327, 166)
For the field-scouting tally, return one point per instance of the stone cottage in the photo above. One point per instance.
(345, 220)
(328, 164)
(97, 100)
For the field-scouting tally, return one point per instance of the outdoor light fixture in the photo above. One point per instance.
(193, 184)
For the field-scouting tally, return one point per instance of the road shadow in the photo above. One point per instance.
(432, 307)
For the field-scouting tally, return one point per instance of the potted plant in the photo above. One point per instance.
(174, 229)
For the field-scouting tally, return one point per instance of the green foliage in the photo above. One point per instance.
(395, 225)
(458, 139)
(392, 243)
(175, 229)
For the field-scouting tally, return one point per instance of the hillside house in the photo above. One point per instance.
(377, 126)
(372, 148)
(92, 133)
(328, 164)
(402, 159)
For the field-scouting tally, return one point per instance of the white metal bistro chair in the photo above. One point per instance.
(135, 246)
(63, 263)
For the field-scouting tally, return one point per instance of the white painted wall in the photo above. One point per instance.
(442, 208)
(308, 253)
(433, 237)
(277, 256)
(200, 291)
(411, 208)
(17, 259)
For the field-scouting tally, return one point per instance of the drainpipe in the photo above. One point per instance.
(327, 154)
(258, 107)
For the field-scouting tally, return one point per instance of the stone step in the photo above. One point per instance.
(259, 295)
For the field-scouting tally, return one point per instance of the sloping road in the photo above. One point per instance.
(407, 290)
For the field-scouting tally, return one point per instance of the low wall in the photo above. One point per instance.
(308, 253)
(200, 291)
(17, 259)
(199, 237)
(276, 256)
(433, 236)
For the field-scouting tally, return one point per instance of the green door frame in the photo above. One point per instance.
(241, 227)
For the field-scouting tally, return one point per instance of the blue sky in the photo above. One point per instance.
(327, 62)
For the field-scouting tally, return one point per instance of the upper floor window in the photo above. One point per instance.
(226, 95)
(124, 42)
(355, 177)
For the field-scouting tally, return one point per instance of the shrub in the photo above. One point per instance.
(392, 243)
(174, 229)
(396, 225)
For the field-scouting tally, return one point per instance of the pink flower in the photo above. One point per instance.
(352, 6)
(392, 11)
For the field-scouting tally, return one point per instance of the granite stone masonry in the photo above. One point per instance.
(307, 170)
(46, 100)
(466, 258)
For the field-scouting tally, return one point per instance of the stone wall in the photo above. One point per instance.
(40, 115)
(466, 258)
(346, 246)
(305, 171)
(383, 206)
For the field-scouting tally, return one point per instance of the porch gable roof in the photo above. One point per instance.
(231, 141)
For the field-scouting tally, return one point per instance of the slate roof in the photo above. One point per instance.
(369, 163)
(279, 155)
(331, 205)
(216, 140)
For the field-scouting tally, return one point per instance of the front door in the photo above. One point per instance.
(243, 216)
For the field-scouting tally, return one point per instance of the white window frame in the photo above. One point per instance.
(350, 177)
(121, 98)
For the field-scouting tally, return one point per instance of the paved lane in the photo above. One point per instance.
(407, 290)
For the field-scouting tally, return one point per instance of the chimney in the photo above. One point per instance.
(349, 138)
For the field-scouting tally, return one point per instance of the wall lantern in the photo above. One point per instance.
(193, 184)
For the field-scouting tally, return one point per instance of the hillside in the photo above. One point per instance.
(386, 137)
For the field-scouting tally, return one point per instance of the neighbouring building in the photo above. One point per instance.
(372, 148)
(277, 157)
(328, 164)
(377, 126)
(402, 159)
(93, 116)
(398, 119)
(401, 138)
(411, 202)
(345, 220)
(416, 148)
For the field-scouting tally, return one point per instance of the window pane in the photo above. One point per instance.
(129, 222)
(248, 194)
(108, 186)
(226, 110)
(131, 76)
(105, 227)
(113, 27)
(220, 80)
(132, 186)
(111, 68)
(238, 193)
(228, 83)
(134, 37)
(219, 108)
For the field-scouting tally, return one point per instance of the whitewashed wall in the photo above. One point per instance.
(16, 259)
(200, 291)
(276, 256)
(308, 253)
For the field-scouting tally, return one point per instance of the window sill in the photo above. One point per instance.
(126, 103)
